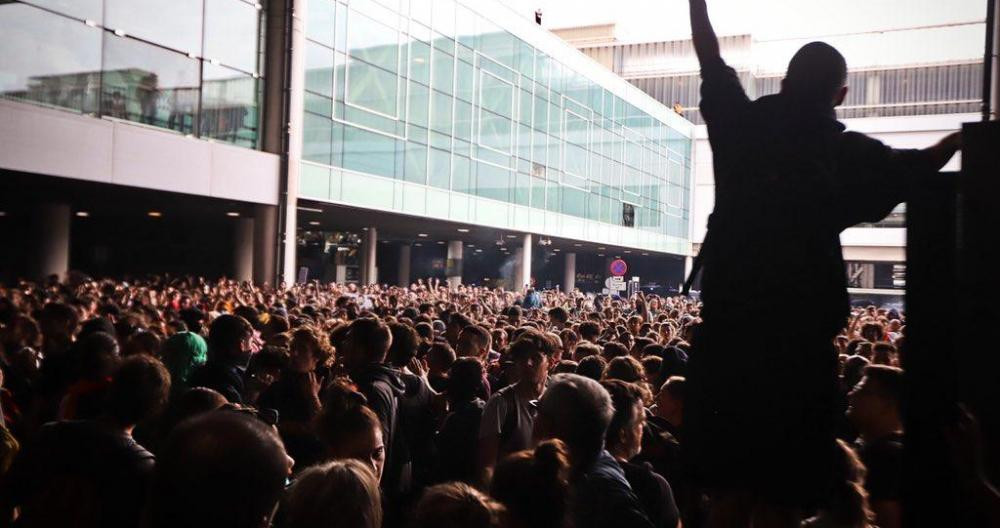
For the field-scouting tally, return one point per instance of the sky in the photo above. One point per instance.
(790, 23)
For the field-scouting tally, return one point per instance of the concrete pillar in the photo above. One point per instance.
(569, 273)
(369, 247)
(295, 102)
(265, 243)
(404, 265)
(243, 250)
(688, 266)
(50, 226)
(524, 277)
(453, 267)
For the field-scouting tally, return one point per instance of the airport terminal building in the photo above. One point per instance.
(363, 141)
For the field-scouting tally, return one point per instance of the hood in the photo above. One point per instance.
(375, 373)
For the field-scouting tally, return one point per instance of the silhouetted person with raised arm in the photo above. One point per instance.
(760, 411)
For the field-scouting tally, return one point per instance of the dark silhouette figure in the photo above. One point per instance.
(761, 409)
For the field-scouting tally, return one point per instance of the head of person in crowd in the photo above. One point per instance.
(220, 469)
(188, 403)
(873, 332)
(533, 485)
(585, 349)
(97, 356)
(366, 342)
(457, 505)
(590, 331)
(309, 348)
(474, 341)
(405, 344)
(58, 323)
(854, 369)
(335, 493)
(230, 340)
(670, 401)
(138, 391)
(465, 381)
(532, 353)
(651, 370)
(440, 358)
(623, 438)
(565, 366)
(592, 367)
(558, 317)
(816, 77)
(500, 340)
(182, 353)
(625, 368)
(349, 429)
(874, 403)
(578, 411)
(846, 504)
(145, 342)
(613, 349)
(884, 353)
(453, 329)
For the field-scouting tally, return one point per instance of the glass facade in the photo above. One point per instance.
(433, 93)
(192, 66)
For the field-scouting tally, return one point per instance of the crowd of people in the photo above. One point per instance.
(184, 402)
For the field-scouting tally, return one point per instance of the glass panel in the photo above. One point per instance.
(441, 112)
(373, 42)
(231, 34)
(444, 17)
(157, 87)
(444, 72)
(494, 132)
(416, 163)
(320, 21)
(371, 87)
(229, 110)
(418, 105)
(319, 69)
(172, 23)
(317, 139)
(460, 174)
(420, 62)
(50, 59)
(85, 9)
(464, 80)
(463, 120)
(369, 152)
(493, 182)
(496, 95)
(440, 171)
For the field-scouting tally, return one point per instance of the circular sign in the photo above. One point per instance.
(618, 267)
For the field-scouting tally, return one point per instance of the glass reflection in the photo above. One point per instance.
(149, 85)
(231, 33)
(177, 23)
(229, 106)
(49, 59)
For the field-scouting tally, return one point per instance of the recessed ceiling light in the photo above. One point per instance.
(511, 236)
(463, 230)
(233, 213)
(479, 251)
(645, 254)
(578, 245)
(601, 248)
(418, 244)
(364, 229)
(557, 250)
(627, 252)
(310, 209)
(600, 254)
(422, 235)
(82, 214)
(154, 214)
(470, 245)
(440, 242)
(313, 222)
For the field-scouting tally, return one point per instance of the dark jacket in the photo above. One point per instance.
(788, 180)
(384, 387)
(225, 378)
(457, 443)
(602, 497)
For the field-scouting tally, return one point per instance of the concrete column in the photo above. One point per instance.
(294, 127)
(524, 277)
(265, 242)
(454, 264)
(50, 227)
(688, 266)
(569, 273)
(404, 265)
(369, 246)
(243, 249)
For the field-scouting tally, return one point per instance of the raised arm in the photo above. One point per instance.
(706, 44)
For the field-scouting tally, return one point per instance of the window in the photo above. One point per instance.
(231, 33)
(175, 24)
(229, 110)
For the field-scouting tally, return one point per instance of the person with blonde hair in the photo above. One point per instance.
(457, 505)
(340, 493)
